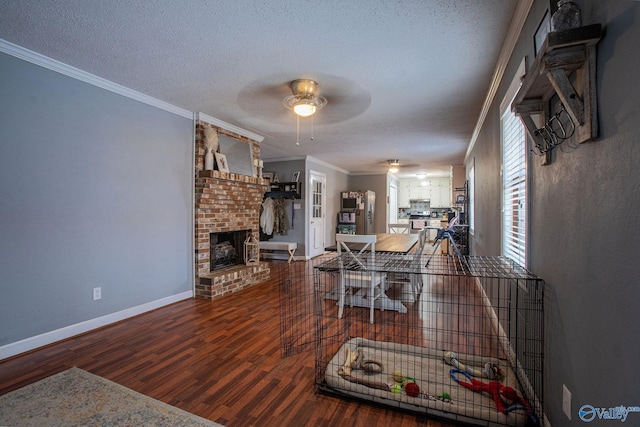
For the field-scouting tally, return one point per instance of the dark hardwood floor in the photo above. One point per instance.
(218, 359)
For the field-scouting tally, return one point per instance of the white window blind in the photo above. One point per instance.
(514, 194)
(472, 199)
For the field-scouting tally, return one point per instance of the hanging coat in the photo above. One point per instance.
(280, 217)
(267, 217)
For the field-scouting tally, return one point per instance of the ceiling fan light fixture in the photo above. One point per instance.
(305, 100)
(304, 108)
(394, 165)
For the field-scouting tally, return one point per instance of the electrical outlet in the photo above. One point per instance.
(566, 401)
(97, 293)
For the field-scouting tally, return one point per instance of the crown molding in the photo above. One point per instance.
(328, 165)
(310, 159)
(75, 73)
(228, 126)
(285, 159)
(511, 38)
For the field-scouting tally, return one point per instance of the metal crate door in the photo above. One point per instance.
(304, 318)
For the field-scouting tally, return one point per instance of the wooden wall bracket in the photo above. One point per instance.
(566, 67)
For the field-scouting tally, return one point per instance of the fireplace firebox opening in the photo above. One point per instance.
(227, 248)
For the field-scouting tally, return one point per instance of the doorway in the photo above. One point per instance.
(317, 202)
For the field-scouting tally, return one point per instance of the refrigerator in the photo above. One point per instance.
(365, 213)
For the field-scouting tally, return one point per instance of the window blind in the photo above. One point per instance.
(514, 188)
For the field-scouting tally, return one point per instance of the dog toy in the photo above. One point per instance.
(352, 360)
(491, 370)
(500, 393)
(398, 376)
(444, 397)
(371, 367)
(412, 389)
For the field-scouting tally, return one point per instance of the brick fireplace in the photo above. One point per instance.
(225, 203)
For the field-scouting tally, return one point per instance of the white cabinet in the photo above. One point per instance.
(437, 190)
(419, 190)
(441, 193)
(403, 193)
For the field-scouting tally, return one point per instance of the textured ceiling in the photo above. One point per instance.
(403, 79)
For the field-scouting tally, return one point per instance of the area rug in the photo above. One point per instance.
(77, 398)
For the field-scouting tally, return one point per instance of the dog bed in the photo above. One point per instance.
(439, 393)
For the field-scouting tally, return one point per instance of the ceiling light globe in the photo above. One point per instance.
(304, 109)
(393, 169)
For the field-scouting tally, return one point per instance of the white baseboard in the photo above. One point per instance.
(280, 256)
(51, 337)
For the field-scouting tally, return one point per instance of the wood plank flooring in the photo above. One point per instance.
(217, 359)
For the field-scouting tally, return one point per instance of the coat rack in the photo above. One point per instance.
(566, 67)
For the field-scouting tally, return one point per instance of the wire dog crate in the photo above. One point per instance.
(459, 339)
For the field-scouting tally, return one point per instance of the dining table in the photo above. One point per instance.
(393, 248)
(398, 243)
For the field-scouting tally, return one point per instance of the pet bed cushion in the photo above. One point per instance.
(431, 374)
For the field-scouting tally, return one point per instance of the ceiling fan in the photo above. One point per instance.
(305, 100)
(396, 166)
(340, 99)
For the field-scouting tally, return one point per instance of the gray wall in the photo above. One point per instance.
(584, 226)
(337, 182)
(378, 184)
(285, 170)
(95, 190)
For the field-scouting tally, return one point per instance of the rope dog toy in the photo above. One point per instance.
(353, 360)
(500, 394)
(371, 367)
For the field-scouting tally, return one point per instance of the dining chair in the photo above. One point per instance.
(357, 269)
(398, 228)
(410, 265)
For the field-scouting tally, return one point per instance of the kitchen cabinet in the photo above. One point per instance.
(437, 190)
(403, 193)
(441, 193)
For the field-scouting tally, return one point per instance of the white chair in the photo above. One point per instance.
(398, 228)
(358, 275)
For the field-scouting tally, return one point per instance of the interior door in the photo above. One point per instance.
(317, 202)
